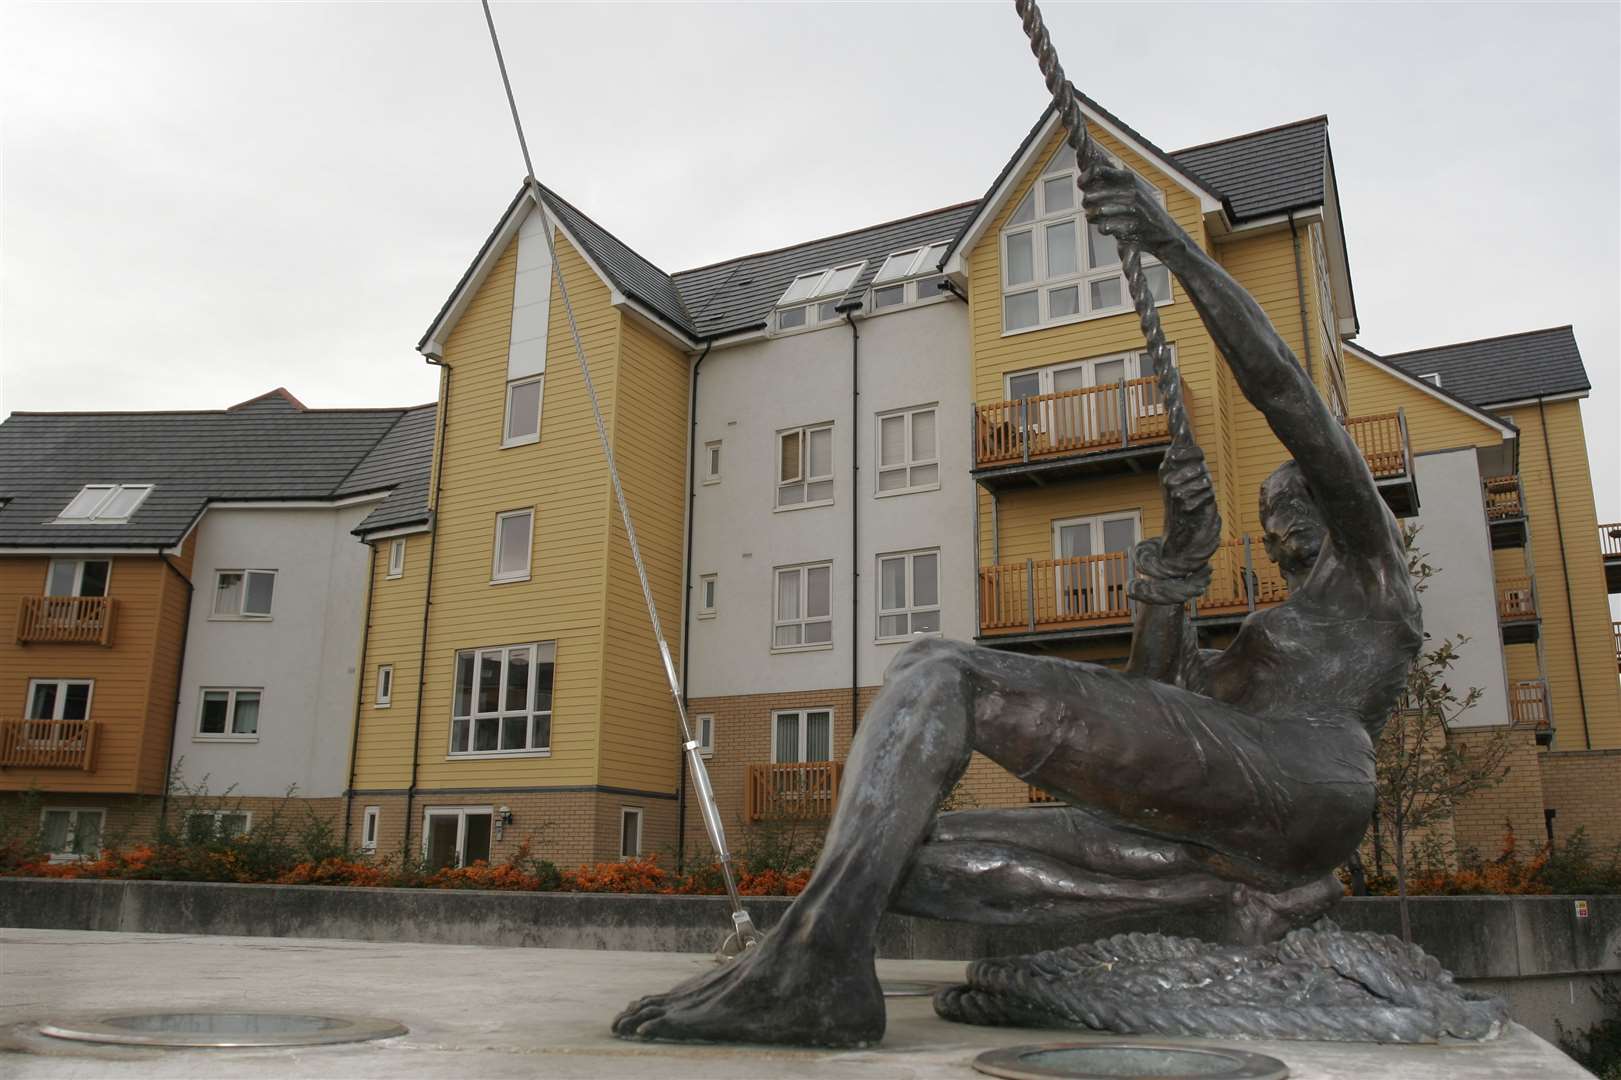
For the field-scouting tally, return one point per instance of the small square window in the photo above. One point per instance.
(513, 541)
(712, 462)
(228, 714)
(385, 686)
(805, 466)
(244, 594)
(522, 422)
(630, 832)
(71, 834)
(708, 590)
(803, 607)
(908, 457)
(396, 558)
(215, 826)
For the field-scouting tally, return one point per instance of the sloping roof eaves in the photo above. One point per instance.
(1383, 363)
(1514, 367)
(738, 295)
(1266, 172)
(401, 461)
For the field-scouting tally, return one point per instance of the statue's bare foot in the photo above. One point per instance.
(791, 995)
(1259, 917)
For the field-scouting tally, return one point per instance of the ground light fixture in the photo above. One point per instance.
(1114, 1061)
(209, 1028)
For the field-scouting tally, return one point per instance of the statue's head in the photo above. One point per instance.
(1292, 526)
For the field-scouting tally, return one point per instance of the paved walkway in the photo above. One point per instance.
(505, 1012)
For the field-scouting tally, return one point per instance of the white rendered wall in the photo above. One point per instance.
(1462, 598)
(304, 656)
(746, 394)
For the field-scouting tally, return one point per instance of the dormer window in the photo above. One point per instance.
(104, 504)
(811, 298)
(1056, 268)
(908, 277)
(1433, 378)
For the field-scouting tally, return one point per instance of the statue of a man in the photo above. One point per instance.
(1228, 784)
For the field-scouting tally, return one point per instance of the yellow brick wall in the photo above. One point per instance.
(1584, 787)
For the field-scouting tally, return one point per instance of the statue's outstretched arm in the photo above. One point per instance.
(1265, 367)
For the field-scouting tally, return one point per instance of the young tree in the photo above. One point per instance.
(1423, 770)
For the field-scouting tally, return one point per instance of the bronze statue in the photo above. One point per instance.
(1228, 783)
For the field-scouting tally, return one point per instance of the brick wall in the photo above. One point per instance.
(1584, 787)
(1517, 802)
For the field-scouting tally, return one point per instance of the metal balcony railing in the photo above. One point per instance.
(84, 620)
(47, 744)
(807, 790)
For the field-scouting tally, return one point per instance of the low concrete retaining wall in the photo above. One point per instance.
(1476, 937)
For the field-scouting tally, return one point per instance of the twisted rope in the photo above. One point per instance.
(1087, 154)
(1321, 984)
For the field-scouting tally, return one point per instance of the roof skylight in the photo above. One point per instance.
(106, 504)
(905, 264)
(831, 282)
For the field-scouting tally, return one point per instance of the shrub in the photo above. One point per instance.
(1598, 1049)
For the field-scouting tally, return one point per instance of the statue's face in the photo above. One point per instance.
(1292, 527)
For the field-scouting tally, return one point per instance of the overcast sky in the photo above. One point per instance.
(204, 201)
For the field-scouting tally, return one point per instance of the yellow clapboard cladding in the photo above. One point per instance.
(393, 637)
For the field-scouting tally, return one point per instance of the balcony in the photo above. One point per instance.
(47, 744)
(1382, 438)
(1528, 707)
(800, 790)
(1609, 542)
(1085, 596)
(70, 620)
(1505, 510)
(1517, 611)
(1615, 631)
(1118, 427)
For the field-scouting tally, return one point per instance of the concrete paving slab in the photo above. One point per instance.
(496, 1012)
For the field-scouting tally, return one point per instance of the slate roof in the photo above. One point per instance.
(1265, 172)
(739, 294)
(1515, 367)
(266, 449)
(401, 461)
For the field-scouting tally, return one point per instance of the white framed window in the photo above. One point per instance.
(1093, 563)
(705, 723)
(811, 299)
(208, 826)
(804, 607)
(78, 577)
(59, 699)
(514, 537)
(630, 832)
(502, 703)
(385, 685)
(396, 557)
(908, 594)
(368, 828)
(1056, 268)
(908, 451)
(243, 594)
(805, 466)
(908, 277)
(708, 588)
(712, 462)
(801, 735)
(72, 832)
(520, 424)
(104, 504)
(229, 714)
(456, 835)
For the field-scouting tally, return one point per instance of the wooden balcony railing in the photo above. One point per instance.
(1382, 438)
(1504, 499)
(1242, 579)
(47, 744)
(1087, 421)
(1515, 599)
(1615, 629)
(807, 790)
(1609, 540)
(84, 620)
(1051, 594)
(1528, 704)
(1036, 795)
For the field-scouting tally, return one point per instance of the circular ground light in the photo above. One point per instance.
(1111, 1061)
(223, 1029)
(905, 988)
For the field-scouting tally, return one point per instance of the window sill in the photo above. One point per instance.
(1074, 319)
(704, 615)
(509, 580)
(394, 577)
(710, 481)
(528, 440)
(780, 649)
(905, 491)
(241, 618)
(485, 755)
(383, 705)
(802, 506)
(706, 753)
(226, 738)
(909, 638)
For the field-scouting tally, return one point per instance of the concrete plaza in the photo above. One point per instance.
(510, 1012)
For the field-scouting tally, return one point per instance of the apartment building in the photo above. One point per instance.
(187, 597)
